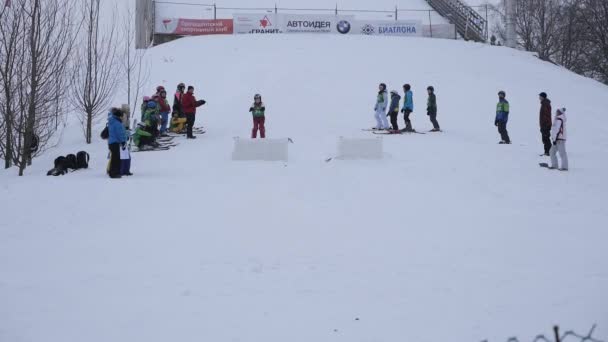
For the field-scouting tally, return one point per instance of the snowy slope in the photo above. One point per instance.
(451, 237)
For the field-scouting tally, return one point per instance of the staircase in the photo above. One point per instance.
(469, 24)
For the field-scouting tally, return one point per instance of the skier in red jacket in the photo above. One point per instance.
(189, 104)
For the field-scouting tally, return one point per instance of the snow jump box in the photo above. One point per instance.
(360, 148)
(260, 149)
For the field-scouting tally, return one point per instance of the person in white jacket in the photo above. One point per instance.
(380, 108)
(558, 137)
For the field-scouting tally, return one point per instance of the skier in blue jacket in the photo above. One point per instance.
(117, 137)
(408, 107)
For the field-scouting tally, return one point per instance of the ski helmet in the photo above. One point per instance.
(394, 92)
(383, 85)
(407, 87)
(431, 88)
(160, 88)
(502, 92)
(181, 86)
(543, 95)
(257, 96)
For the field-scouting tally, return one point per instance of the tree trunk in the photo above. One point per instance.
(89, 127)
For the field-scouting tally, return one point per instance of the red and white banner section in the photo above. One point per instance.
(387, 28)
(257, 24)
(194, 27)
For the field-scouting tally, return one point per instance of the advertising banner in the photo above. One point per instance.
(260, 23)
(316, 23)
(194, 27)
(388, 28)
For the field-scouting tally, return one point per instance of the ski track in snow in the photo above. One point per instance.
(451, 237)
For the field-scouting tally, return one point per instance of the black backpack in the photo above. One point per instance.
(60, 163)
(70, 161)
(105, 134)
(82, 160)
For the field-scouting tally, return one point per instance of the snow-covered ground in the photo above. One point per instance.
(450, 237)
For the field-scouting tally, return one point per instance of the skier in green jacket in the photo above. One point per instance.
(431, 109)
(258, 111)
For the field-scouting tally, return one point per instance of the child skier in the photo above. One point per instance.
(258, 111)
(408, 107)
(431, 108)
(380, 108)
(502, 117)
(125, 154)
(165, 108)
(558, 137)
(151, 117)
(393, 111)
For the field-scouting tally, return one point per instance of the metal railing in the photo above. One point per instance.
(469, 23)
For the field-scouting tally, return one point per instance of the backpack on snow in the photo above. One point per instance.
(70, 162)
(82, 160)
(60, 167)
(60, 163)
(105, 134)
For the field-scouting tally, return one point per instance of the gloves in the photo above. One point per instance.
(403, 111)
(123, 145)
(495, 122)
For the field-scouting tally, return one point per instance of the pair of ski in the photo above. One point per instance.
(160, 147)
(546, 166)
(391, 131)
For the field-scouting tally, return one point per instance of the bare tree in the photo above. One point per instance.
(595, 17)
(36, 40)
(133, 63)
(95, 75)
(11, 27)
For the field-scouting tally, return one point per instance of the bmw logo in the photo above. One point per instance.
(343, 27)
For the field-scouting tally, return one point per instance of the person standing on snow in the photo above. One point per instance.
(431, 108)
(393, 111)
(408, 107)
(116, 138)
(380, 108)
(177, 101)
(189, 104)
(545, 122)
(502, 117)
(558, 137)
(165, 108)
(258, 110)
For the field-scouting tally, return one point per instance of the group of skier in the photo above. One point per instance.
(553, 132)
(383, 102)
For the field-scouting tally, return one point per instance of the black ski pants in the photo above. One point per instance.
(394, 123)
(190, 118)
(406, 119)
(114, 159)
(502, 129)
(546, 136)
(433, 117)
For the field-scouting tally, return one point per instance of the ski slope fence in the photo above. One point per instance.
(158, 22)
